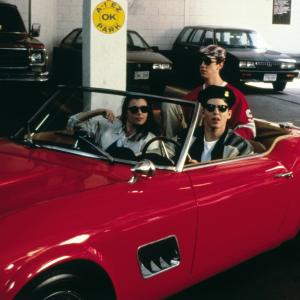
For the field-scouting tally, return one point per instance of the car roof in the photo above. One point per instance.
(7, 4)
(219, 27)
(80, 29)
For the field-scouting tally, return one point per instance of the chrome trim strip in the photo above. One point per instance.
(14, 68)
(14, 49)
(221, 161)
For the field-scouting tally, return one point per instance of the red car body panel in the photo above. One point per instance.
(128, 214)
(58, 207)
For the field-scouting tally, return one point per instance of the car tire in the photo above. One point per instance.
(63, 285)
(279, 85)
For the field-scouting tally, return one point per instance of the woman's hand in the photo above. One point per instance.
(109, 115)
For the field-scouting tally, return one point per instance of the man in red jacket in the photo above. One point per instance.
(212, 60)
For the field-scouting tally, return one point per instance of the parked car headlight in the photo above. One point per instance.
(162, 67)
(247, 64)
(287, 65)
(36, 58)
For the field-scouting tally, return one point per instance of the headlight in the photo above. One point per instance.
(162, 67)
(247, 64)
(287, 65)
(36, 58)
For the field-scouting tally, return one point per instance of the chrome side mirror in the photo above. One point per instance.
(144, 168)
(35, 29)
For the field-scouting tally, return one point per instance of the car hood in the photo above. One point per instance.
(29, 176)
(18, 40)
(258, 54)
(146, 57)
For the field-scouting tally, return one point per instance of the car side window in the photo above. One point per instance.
(197, 36)
(208, 38)
(70, 38)
(78, 40)
(186, 34)
(136, 41)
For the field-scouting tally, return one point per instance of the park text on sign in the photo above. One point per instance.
(108, 17)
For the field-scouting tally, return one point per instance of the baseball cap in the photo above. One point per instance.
(216, 92)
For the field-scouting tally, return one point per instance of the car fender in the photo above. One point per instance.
(45, 260)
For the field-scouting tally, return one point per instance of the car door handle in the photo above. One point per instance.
(285, 175)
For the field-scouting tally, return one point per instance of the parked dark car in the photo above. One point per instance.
(249, 58)
(145, 66)
(22, 57)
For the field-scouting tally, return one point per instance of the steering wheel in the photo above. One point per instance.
(163, 159)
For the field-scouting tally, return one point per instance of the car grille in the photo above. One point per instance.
(267, 65)
(13, 58)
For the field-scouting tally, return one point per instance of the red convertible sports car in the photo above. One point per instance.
(82, 221)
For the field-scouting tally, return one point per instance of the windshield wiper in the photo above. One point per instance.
(102, 152)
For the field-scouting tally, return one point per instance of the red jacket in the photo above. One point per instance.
(241, 120)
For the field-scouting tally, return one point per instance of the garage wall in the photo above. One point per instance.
(159, 21)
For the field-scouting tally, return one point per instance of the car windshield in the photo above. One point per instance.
(135, 41)
(103, 124)
(10, 20)
(233, 38)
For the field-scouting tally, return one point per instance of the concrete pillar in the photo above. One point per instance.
(104, 48)
(104, 43)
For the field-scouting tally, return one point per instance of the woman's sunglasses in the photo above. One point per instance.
(135, 109)
(212, 107)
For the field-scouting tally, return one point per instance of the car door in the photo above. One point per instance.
(242, 204)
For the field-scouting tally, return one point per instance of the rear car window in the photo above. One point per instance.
(197, 36)
(186, 35)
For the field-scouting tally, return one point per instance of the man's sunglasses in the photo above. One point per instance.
(135, 109)
(212, 107)
(206, 60)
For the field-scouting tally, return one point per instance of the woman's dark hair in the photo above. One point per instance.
(142, 130)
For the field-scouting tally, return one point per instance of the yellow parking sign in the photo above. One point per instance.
(108, 17)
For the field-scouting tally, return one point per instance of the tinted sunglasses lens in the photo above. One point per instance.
(135, 109)
(212, 107)
(222, 108)
(206, 60)
(144, 109)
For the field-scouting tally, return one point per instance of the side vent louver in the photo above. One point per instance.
(158, 256)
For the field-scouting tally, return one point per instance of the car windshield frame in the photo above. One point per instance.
(37, 124)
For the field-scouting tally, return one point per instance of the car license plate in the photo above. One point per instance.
(141, 75)
(270, 77)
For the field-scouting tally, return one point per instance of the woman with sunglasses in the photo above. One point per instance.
(132, 130)
(214, 140)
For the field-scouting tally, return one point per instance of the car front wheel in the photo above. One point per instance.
(279, 85)
(63, 285)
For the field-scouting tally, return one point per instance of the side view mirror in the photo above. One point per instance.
(35, 29)
(144, 168)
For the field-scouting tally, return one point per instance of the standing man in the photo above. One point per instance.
(214, 140)
(212, 60)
